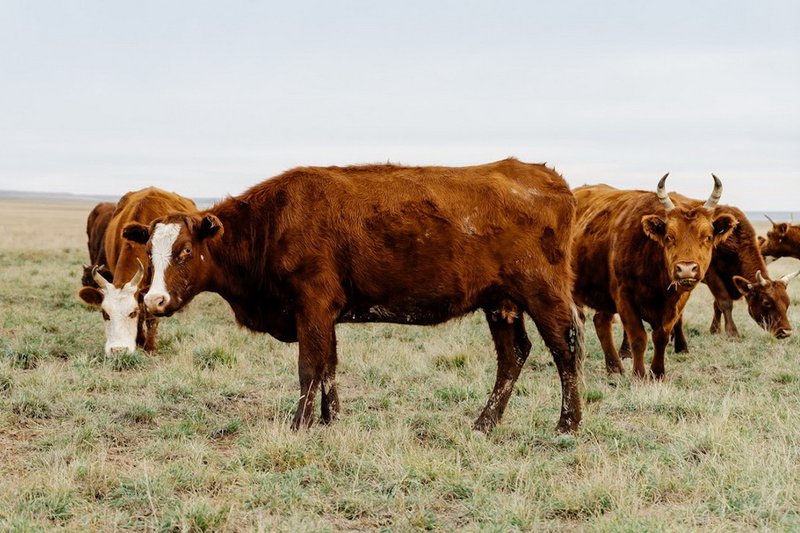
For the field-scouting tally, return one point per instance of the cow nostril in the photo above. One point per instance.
(784, 333)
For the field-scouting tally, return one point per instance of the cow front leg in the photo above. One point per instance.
(151, 330)
(726, 306)
(637, 336)
(660, 341)
(512, 346)
(316, 362)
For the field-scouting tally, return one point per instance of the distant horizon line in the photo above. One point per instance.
(753, 214)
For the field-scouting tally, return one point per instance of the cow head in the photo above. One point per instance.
(120, 309)
(688, 235)
(181, 261)
(767, 302)
(782, 240)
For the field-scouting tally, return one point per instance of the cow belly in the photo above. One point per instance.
(421, 315)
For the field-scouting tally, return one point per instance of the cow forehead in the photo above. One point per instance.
(163, 238)
(119, 300)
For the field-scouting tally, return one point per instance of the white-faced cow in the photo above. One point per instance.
(316, 246)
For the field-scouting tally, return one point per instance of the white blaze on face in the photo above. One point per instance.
(121, 307)
(161, 243)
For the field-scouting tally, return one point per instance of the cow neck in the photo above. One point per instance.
(751, 260)
(234, 252)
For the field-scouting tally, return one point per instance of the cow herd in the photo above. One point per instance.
(313, 247)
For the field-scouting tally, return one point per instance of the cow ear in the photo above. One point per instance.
(91, 295)
(210, 226)
(724, 225)
(654, 227)
(761, 241)
(783, 227)
(136, 232)
(743, 285)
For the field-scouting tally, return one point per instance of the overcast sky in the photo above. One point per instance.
(208, 98)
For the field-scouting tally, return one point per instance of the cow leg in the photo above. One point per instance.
(330, 397)
(625, 346)
(151, 329)
(602, 325)
(679, 337)
(561, 329)
(715, 321)
(726, 306)
(637, 335)
(316, 363)
(512, 346)
(660, 341)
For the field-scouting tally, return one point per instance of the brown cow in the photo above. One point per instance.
(313, 247)
(96, 225)
(127, 323)
(638, 254)
(783, 240)
(738, 269)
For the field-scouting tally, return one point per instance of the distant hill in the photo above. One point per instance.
(71, 197)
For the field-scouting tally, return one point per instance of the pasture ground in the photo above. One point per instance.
(197, 438)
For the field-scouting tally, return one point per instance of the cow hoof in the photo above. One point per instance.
(657, 375)
(568, 427)
(681, 349)
(639, 374)
(484, 424)
(614, 369)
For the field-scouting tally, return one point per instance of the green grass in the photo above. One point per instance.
(196, 437)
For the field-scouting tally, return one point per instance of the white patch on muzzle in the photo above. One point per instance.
(121, 328)
(161, 243)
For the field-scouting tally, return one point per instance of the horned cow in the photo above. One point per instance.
(313, 247)
(640, 255)
(127, 324)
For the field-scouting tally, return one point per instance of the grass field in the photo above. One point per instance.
(197, 437)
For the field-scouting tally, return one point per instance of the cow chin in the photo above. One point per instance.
(687, 284)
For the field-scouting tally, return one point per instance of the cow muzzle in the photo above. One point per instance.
(687, 274)
(783, 333)
(156, 303)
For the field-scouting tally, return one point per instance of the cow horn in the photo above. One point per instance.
(716, 194)
(789, 277)
(137, 278)
(662, 194)
(760, 279)
(772, 221)
(100, 280)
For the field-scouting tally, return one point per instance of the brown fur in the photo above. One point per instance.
(315, 246)
(783, 240)
(96, 225)
(625, 254)
(121, 254)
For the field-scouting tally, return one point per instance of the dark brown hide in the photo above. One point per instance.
(96, 225)
(630, 256)
(315, 246)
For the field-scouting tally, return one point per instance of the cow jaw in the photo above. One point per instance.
(161, 242)
(121, 309)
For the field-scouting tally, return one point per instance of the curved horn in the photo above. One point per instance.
(789, 277)
(772, 221)
(662, 194)
(100, 280)
(137, 278)
(716, 194)
(760, 279)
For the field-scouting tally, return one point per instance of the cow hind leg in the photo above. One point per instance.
(513, 346)
(602, 325)
(625, 346)
(660, 340)
(681, 346)
(637, 335)
(715, 321)
(558, 323)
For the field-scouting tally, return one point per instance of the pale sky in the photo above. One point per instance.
(208, 98)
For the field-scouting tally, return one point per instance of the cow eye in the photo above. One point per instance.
(105, 316)
(133, 314)
(187, 250)
(766, 303)
(708, 239)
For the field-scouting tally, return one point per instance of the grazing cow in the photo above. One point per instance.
(96, 225)
(638, 254)
(738, 269)
(313, 247)
(127, 323)
(783, 240)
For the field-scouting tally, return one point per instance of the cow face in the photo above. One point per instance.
(120, 309)
(688, 236)
(767, 302)
(782, 240)
(181, 262)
